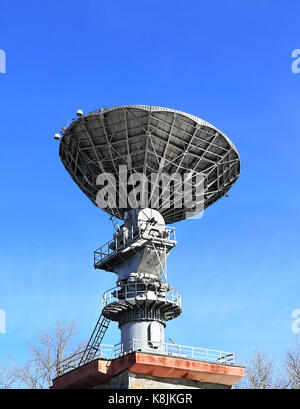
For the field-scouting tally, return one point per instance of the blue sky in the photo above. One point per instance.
(228, 62)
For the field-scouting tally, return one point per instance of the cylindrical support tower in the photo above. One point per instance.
(142, 302)
(142, 313)
(143, 335)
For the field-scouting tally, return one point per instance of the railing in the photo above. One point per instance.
(112, 246)
(125, 238)
(201, 354)
(109, 352)
(141, 291)
(73, 361)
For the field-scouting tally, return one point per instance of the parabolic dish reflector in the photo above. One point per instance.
(148, 139)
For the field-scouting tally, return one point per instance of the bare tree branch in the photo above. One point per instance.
(260, 374)
(7, 378)
(292, 365)
(40, 369)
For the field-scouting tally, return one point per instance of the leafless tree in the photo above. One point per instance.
(40, 369)
(7, 378)
(260, 374)
(292, 365)
(259, 371)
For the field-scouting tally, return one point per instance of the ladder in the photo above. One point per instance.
(95, 340)
(115, 223)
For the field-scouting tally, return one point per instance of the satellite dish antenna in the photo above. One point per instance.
(148, 144)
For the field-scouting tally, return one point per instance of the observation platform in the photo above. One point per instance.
(112, 352)
(115, 252)
(135, 295)
(182, 367)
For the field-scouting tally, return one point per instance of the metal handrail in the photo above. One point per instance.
(73, 361)
(202, 354)
(113, 246)
(138, 291)
(110, 352)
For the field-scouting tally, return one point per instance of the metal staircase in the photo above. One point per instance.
(95, 340)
